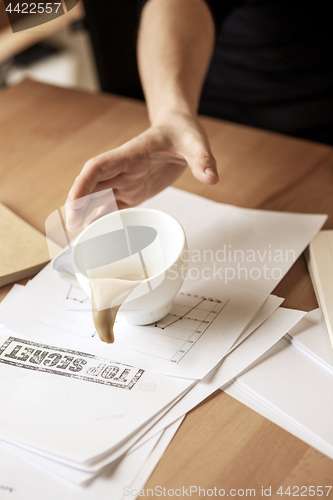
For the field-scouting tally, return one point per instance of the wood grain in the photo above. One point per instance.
(47, 134)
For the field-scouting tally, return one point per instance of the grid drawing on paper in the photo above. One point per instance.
(189, 318)
(77, 294)
(170, 338)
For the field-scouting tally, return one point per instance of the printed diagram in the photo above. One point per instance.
(172, 337)
(191, 308)
(188, 319)
(77, 294)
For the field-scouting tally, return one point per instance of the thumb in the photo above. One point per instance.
(203, 166)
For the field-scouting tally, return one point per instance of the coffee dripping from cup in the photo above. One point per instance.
(114, 265)
(133, 268)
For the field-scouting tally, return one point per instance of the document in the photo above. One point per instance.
(266, 335)
(236, 258)
(79, 473)
(33, 483)
(55, 396)
(245, 248)
(268, 308)
(150, 464)
(262, 339)
(309, 335)
(202, 326)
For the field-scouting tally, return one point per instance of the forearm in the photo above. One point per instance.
(175, 44)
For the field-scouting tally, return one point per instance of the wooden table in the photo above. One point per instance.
(47, 133)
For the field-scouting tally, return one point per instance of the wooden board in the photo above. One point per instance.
(23, 249)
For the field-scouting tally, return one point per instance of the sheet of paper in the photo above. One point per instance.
(293, 388)
(83, 473)
(250, 249)
(148, 467)
(262, 339)
(32, 483)
(80, 475)
(50, 388)
(261, 406)
(202, 326)
(238, 365)
(309, 334)
(268, 333)
(269, 307)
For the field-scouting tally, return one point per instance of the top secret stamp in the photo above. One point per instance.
(32, 356)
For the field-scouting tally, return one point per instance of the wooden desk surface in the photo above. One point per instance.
(47, 133)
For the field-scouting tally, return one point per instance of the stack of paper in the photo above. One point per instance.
(79, 408)
(292, 384)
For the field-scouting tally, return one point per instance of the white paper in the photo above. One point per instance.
(148, 467)
(13, 294)
(269, 307)
(234, 364)
(21, 480)
(265, 313)
(293, 388)
(269, 334)
(82, 473)
(202, 326)
(55, 396)
(309, 333)
(252, 249)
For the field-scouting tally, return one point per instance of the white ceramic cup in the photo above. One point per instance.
(121, 243)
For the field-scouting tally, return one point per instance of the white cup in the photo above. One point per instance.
(124, 242)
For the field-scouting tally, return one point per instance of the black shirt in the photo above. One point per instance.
(272, 66)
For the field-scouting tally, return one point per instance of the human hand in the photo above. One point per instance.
(145, 165)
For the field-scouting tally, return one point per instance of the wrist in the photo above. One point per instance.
(165, 101)
(168, 114)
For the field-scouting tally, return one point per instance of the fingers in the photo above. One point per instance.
(144, 166)
(96, 175)
(201, 160)
(100, 168)
(104, 168)
(204, 168)
(193, 145)
(79, 213)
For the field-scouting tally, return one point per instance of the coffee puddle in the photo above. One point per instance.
(107, 295)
